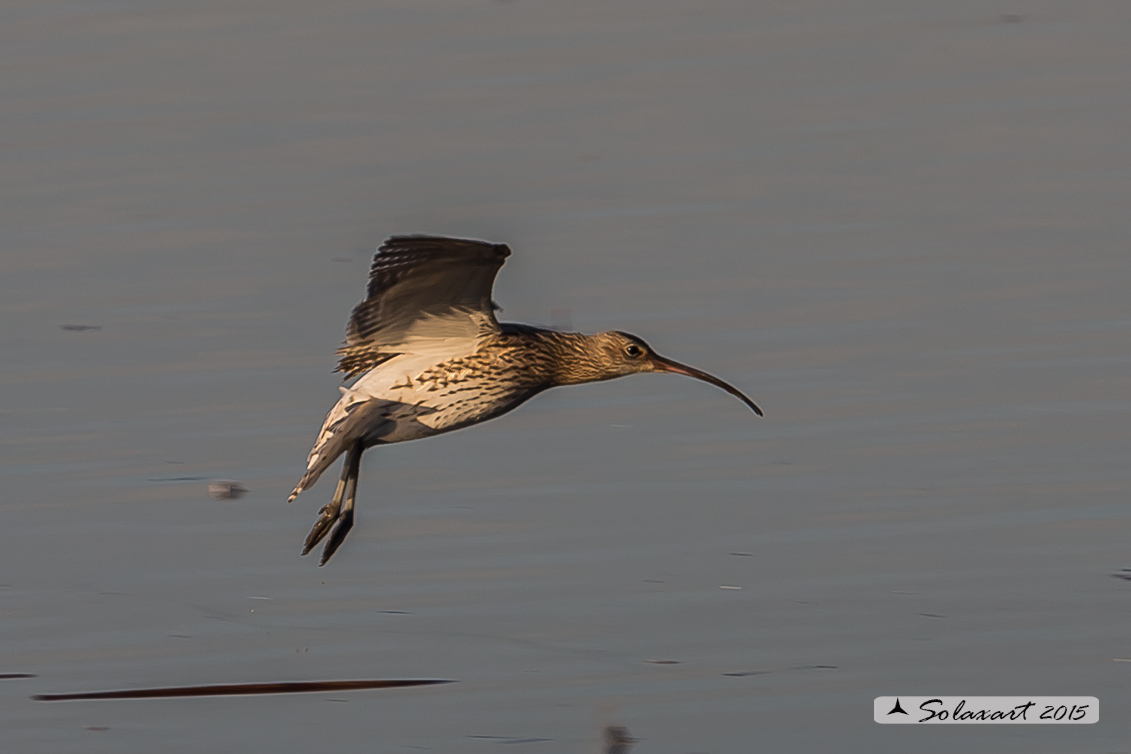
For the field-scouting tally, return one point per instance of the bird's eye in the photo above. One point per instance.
(634, 350)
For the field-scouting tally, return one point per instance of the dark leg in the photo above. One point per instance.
(329, 513)
(345, 518)
(334, 512)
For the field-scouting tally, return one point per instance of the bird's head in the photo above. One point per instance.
(616, 354)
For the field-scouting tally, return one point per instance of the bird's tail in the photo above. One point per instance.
(334, 438)
(308, 480)
(313, 471)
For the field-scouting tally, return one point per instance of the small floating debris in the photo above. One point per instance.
(1123, 573)
(238, 689)
(931, 615)
(80, 328)
(729, 586)
(15, 676)
(618, 740)
(662, 662)
(745, 673)
(226, 489)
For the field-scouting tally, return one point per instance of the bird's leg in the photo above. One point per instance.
(331, 512)
(345, 512)
(335, 518)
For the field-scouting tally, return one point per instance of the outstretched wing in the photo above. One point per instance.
(422, 289)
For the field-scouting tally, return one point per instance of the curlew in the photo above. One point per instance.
(430, 357)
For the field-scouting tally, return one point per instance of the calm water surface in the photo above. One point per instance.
(902, 229)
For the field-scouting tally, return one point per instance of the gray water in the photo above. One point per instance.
(902, 228)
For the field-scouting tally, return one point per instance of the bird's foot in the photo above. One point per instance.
(334, 521)
(337, 536)
(326, 518)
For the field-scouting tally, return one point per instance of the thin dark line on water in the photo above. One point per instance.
(176, 479)
(15, 676)
(237, 689)
(747, 673)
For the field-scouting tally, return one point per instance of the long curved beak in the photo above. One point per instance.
(667, 365)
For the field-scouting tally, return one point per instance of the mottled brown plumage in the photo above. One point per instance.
(430, 357)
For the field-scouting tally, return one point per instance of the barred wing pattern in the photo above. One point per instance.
(422, 289)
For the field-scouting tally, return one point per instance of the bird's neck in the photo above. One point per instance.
(576, 359)
(560, 358)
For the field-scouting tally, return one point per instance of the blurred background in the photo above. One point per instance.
(900, 227)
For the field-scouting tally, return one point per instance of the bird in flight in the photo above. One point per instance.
(430, 357)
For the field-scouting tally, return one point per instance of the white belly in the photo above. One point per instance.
(399, 405)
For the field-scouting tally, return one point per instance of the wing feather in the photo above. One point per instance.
(422, 290)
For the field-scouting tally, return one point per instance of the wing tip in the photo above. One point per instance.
(488, 250)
